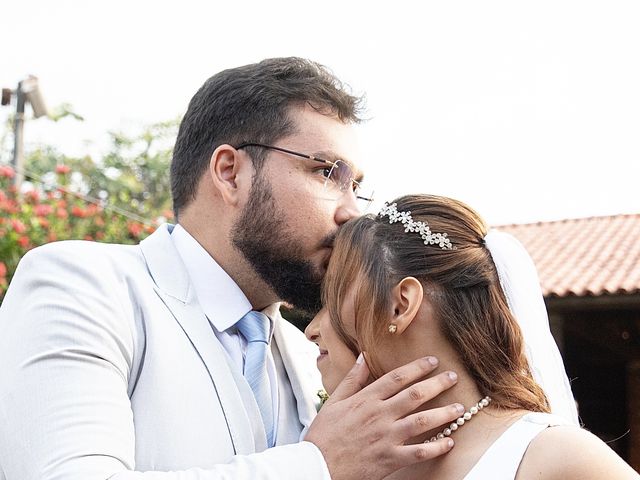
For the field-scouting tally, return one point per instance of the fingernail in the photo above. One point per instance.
(449, 443)
(432, 360)
(360, 359)
(459, 408)
(453, 376)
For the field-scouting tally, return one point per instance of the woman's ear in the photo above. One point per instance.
(406, 299)
(227, 170)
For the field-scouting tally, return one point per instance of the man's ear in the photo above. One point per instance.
(406, 299)
(230, 173)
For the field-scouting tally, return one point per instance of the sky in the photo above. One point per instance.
(527, 111)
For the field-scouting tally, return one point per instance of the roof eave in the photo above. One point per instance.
(604, 301)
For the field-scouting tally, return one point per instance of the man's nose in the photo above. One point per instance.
(347, 208)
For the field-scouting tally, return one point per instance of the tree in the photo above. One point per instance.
(120, 197)
(132, 175)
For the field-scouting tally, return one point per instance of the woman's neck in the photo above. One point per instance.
(471, 439)
(465, 393)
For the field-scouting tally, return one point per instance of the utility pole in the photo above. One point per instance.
(18, 135)
(28, 91)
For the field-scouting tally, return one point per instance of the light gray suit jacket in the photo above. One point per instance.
(109, 368)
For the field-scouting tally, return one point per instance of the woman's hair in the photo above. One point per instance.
(372, 256)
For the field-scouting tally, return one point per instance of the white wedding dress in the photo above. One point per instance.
(502, 459)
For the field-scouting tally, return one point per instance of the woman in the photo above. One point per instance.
(418, 279)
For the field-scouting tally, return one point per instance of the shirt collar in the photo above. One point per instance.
(220, 297)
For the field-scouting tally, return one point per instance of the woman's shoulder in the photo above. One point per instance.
(567, 451)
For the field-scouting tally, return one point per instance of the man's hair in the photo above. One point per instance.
(252, 104)
(462, 285)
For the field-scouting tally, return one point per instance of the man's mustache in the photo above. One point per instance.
(330, 239)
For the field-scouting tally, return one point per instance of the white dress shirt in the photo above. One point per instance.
(224, 304)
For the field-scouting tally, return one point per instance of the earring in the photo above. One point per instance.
(393, 328)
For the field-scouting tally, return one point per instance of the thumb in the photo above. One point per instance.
(355, 381)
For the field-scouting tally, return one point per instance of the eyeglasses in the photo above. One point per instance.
(338, 175)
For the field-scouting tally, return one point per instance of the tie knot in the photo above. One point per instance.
(254, 327)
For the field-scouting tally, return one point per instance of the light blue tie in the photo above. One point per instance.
(254, 327)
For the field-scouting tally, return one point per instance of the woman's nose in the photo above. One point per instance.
(312, 332)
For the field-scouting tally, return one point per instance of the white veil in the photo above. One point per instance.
(520, 283)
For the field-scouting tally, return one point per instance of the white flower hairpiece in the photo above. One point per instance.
(422, 228)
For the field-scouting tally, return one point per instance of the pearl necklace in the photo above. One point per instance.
(466, 416)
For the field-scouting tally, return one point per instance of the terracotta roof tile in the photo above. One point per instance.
(585, 256)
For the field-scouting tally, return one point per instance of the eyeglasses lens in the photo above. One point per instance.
(341, 178)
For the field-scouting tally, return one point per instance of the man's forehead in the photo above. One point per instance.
(327, 137)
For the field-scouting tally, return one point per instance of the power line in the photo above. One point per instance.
(120, 211)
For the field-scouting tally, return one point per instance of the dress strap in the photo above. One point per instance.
(502, 459)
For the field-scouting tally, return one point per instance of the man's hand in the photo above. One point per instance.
(361, 430)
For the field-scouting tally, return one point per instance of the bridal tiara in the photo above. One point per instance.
(422, 228)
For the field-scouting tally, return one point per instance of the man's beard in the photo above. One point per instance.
(266, 243)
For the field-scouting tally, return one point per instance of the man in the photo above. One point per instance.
(117, 360)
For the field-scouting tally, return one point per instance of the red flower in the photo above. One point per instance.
(61, 213)
(23, 241)
(18, 226)
(6, 172)
(76, 211)
(92, 209)
(32, 196)
(10, 206)
(43, 210)
(3, 270)
(135, 229)
(63, 169)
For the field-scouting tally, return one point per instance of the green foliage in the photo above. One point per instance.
(120, 197)
(37, 216)
(133, 175)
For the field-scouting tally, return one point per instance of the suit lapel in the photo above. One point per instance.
(304, 377)
(253, 415)
(173, 287)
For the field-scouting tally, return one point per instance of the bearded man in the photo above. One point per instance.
(169, 359)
